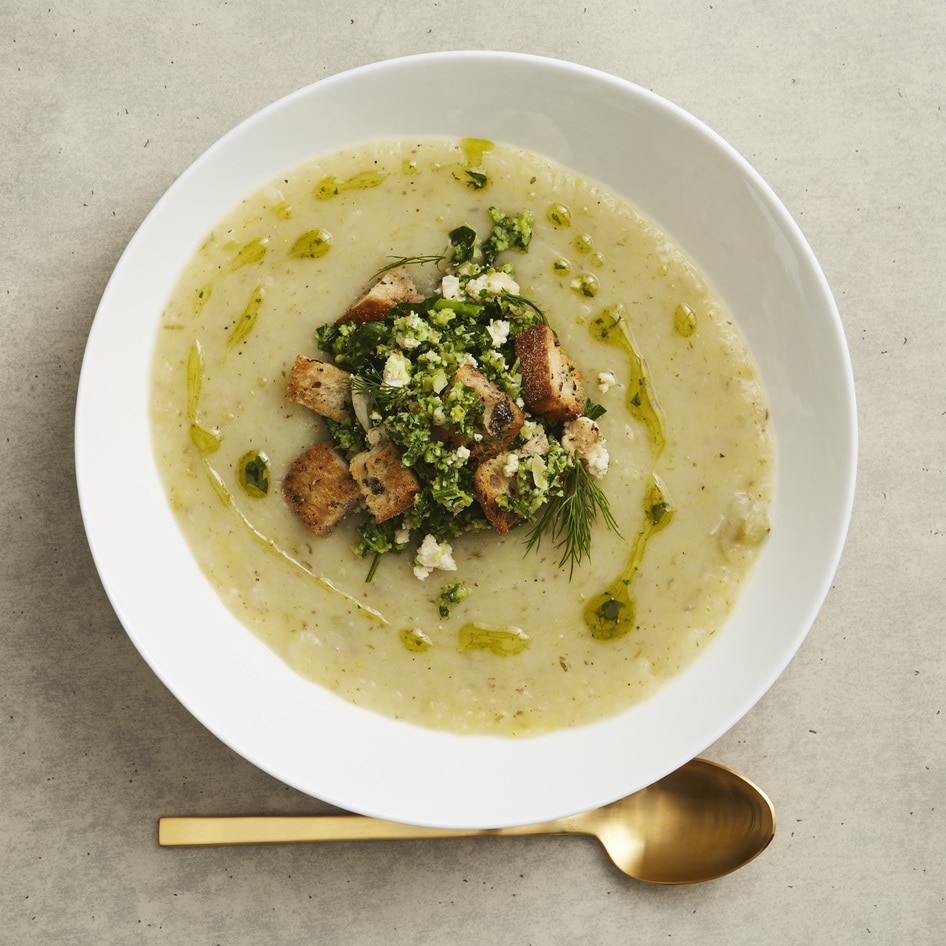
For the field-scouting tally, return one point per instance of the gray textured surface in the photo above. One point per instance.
(840, 107)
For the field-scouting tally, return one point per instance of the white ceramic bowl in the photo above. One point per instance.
(691, 183)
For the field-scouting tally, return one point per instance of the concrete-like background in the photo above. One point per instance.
(840, 106)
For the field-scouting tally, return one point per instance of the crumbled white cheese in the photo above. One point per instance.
(450, 288)
(512, 465)
(432, 555)
(463, 453)
(498, 332)
(397, 370)
(402, 535)
(491, 284)
(606, 381)
(583, 437)
(536, 440)
(598, 460)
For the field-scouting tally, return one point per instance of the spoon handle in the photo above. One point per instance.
(189, 832)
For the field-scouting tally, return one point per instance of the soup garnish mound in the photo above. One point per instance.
(550, 413)
(449, 413)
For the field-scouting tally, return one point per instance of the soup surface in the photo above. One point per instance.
(686, 426)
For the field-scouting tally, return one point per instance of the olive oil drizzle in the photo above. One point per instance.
(613, 613)
(471, 172)
(313, 244)
(505, 641)
(227, 498)
(247, 320)
(207, 440)
(249, 253)
(611, 327)
(331, 186)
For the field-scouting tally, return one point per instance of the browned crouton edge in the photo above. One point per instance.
(552, 383)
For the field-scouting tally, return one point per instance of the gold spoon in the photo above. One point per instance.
(697, 823)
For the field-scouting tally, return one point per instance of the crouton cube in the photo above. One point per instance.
(491, 481)
(321, 387)
(552, 384)
(319, 488)
(502, 417)
(393, 287)
(387, 487)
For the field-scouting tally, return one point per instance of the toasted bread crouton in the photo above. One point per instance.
(320, 489)
(502, 417)
(321, 387)
(393, 287)
(387, 487)
(489, 482)
(552, 384)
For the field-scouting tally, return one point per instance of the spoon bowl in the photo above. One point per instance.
(697, 823)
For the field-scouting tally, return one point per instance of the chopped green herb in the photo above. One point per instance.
(463, 241)
(253, 473)
(451, 594)
(611, 609)
(508, 233)
(568, 519)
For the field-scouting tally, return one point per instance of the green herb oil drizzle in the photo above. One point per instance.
(253, 474)
(501, 641)
(313, 244)
(247, 320)
(471, 172)
(415, 640)
(611, 327)
(613, 613)
(205, 439)
(251, 252)
(330, 187)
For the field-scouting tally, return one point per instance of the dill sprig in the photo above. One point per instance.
(522, 300)
(567, 520)
(407, 261)
(370, 383)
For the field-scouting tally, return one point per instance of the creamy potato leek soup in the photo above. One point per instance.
(620, 530)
